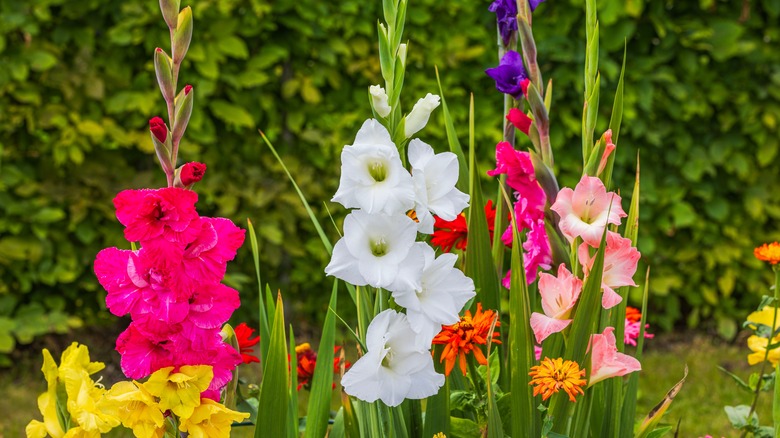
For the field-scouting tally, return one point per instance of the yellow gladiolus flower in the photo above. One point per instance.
(47, 404)
(211, 420)
(180, 392)
(87, 403)
(76, 358)
(138, 410)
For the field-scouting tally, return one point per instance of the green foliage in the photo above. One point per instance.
(77, 88)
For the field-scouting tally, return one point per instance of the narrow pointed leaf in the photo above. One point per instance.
(452, 140)
(292, 410)
(274, 395)
(655, 415)
(437, 407)
(318, 411)
(495, 426)
(479, 261)
(265, 331)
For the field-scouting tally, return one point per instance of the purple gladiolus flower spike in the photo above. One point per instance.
(509, 74)
(506, 16)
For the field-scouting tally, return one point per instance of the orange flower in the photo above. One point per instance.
(307, 360)
(465, 336)
(768, 252)
(554, 374)
(633, 314)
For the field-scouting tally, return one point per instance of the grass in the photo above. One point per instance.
(699, 407)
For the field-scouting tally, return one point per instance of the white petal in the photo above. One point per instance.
(393, 387)
(419, 153)
(410, 271)
(425, 382)
(362, 378)
(344, 266)
(372, 132)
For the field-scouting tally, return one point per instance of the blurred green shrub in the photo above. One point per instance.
(77, 88)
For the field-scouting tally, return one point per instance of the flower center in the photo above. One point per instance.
(377, 171)
(379, 247)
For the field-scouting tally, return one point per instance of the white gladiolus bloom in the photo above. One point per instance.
(378, 250)
(434, 178)
(393, 368)
(372, 176)
(443, 293)
(421, 112)
(379, 100)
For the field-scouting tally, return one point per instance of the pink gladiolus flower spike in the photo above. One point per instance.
(605, 360)
(620, 261)
(586, 210)
(559, 294)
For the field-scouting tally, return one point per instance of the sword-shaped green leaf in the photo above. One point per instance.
(274, 395)
(452, 140)
(318, 411)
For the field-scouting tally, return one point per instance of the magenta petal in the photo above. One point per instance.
(212, 305)
(141, 356)
(111, 268)
(543, 326)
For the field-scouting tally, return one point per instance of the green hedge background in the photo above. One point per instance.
(77, 88)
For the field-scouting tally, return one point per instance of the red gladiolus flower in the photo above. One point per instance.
(447, 234)
(520, 120)
(192, 173)
(158, 128)
(187, 89)
(246, 342)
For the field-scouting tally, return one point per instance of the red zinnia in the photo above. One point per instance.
(245, 344)
(447, 234)
(307, 360)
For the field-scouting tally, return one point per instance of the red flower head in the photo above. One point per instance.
(447, 234)
(191, 173)
(158, 128)
(246, 342)
(187, 89)
(307, 360)
(520, 120)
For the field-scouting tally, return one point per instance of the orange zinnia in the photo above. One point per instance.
(554, 374)
(465, 336)
(633, 314)
(768, 252)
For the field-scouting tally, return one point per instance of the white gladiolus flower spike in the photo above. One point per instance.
(379, 100)
(421, 112)
(372, 176)
(434, 177)
(378, 250)
(444, 292)
(393, 368)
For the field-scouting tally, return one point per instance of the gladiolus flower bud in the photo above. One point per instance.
(418, 117)
(519, 119)
(191, 173)
(402, 53)
(183, 112)
(524, 86)
(607, 151)
(162, 67)
(182, 35)
(161, 146)
(379, 100)
(170, 12)
(158, 128)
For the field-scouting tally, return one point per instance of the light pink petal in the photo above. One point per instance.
(610, 298)
(606, 361)
(543, 326)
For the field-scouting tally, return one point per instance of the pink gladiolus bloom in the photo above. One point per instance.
(149, 214)
(141, 354)
(537, 352)
(586, 210)
(520, 120)
(609, 147)
(559, 294)
(529, 207)
(620, 261)
(205, 259)
(605, 360)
